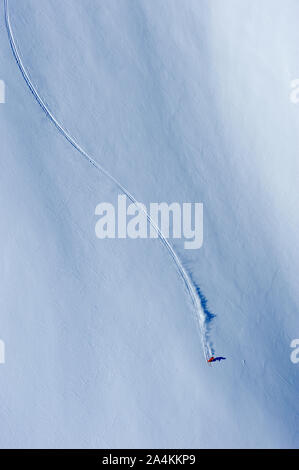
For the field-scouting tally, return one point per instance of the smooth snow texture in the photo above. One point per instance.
(179, 101)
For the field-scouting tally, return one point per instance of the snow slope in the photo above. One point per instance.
(179, 101)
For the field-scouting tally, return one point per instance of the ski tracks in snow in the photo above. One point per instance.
(203, 316)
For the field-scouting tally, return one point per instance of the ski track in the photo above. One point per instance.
(203, 316)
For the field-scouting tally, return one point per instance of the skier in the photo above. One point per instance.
(214, 359)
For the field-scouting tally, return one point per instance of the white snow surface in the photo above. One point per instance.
(178, 101)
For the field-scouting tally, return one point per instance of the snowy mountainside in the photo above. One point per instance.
(180, 101)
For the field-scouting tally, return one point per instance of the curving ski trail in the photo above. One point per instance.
(199, 302)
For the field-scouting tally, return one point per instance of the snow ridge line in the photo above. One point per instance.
(201, 314)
